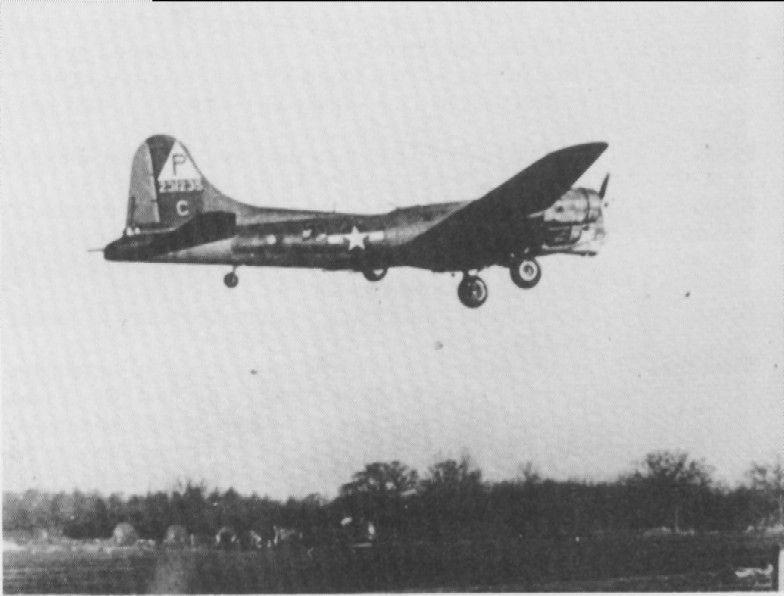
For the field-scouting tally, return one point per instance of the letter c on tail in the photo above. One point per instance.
(182, 208)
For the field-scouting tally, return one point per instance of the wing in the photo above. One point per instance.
(496, 224)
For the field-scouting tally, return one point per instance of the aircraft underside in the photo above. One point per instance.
(372, 259)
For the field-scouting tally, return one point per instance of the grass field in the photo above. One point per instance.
(619, 563)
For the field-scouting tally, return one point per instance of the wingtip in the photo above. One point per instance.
(592, 151)
(595, 148)
(599, 146)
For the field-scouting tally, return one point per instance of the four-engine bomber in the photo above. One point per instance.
(176, 216)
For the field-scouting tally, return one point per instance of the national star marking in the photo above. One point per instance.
(356, 239)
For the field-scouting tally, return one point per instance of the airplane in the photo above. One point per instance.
(175, 215)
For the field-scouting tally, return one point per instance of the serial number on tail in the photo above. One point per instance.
(187, 185)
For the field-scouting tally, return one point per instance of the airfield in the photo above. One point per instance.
(623, 562)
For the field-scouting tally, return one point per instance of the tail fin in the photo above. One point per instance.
(167, 189)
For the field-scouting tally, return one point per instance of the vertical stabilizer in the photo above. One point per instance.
(166, 188)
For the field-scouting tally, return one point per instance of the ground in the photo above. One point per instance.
(619, 563)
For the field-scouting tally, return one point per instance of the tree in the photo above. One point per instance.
(89, 517)
(528, 474)
(670, 482)
(231, 510)
(768, 480)
(382, 478)
(454, 498)
(451, 474)
(378, 493)
(116, 509)
(156, 513)
(39, 508)
(15, 515)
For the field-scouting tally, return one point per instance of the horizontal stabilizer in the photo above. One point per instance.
(200, 229)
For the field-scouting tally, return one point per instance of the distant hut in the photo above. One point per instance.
(286, 535)
(124, 534)
(226, 538)
(176, 535)
(251, 540)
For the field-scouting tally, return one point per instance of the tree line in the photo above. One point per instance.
(667, 490)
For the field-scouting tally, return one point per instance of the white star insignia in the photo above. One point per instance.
(356, 239)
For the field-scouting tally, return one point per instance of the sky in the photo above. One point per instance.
(123, 377)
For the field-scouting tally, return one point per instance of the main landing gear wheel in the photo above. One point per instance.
(472, 291)
(231, 280)
(375, 274)
(525, 272)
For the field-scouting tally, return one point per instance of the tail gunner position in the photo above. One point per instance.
(176, 216)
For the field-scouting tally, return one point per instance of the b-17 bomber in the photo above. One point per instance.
(176, 216)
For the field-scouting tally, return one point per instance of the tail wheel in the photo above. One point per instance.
(472, 291)
(525, 271)
(374, 274)
(231, 280)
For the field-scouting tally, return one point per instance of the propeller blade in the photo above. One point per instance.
(603, 189)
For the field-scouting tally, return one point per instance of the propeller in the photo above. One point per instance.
(603, 189)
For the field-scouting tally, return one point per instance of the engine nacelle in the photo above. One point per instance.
(574, 223)
(576, 206)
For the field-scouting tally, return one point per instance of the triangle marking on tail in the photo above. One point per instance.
(179, 173)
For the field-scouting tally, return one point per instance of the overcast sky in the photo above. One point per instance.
(130, 377)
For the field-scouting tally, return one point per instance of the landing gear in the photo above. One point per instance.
(231, 280)
(525, 271)
(472, 291)
(374, 274)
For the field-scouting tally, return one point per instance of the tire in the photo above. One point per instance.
(472, 291)
(374, 274)
(231, 280)
(526, 272)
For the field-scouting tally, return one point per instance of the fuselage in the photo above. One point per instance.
(333, 241)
